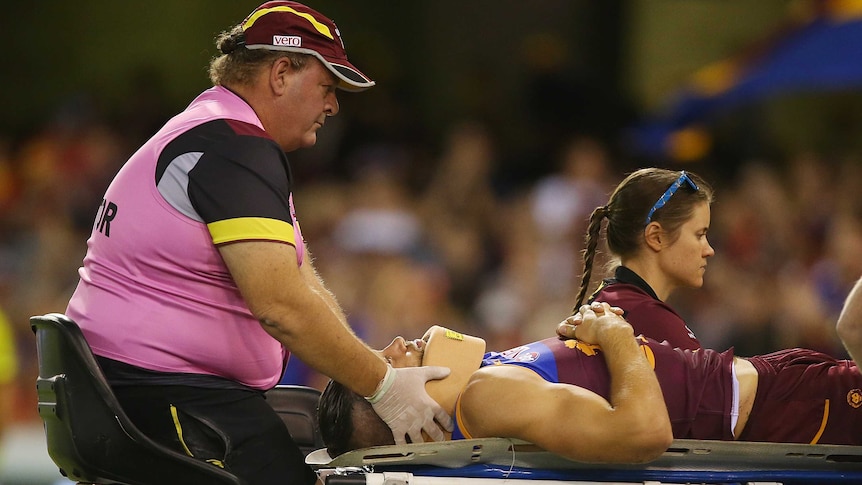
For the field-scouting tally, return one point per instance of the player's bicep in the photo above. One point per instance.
(514, 402)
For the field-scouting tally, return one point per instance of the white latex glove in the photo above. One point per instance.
(402, 402)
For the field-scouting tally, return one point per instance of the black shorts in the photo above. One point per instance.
(232, 428)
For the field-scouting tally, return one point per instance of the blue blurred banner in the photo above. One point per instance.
(824, 54)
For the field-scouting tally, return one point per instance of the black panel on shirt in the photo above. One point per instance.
(242, 172)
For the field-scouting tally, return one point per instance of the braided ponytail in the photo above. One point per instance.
(589, 251)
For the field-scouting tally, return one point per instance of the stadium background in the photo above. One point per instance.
(456, 190)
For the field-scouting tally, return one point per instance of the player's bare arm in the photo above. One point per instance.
(632, 427)
(849, 326)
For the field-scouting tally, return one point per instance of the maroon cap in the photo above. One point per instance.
(294, 27)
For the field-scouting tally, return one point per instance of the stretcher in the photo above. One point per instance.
(492, 461)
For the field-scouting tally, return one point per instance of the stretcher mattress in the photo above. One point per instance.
(496, 460)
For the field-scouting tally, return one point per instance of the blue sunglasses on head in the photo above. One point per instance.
(683, 177)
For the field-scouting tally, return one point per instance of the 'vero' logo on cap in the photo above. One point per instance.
(287, 40)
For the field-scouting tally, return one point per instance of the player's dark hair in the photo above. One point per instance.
(627, 209)
(348, 422)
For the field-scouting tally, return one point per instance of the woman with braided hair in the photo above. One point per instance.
(657, 221)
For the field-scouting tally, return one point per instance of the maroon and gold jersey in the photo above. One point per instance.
(697, 386)
(647, 314)
(803, 396)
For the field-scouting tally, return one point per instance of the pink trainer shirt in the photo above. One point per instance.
(153, 290)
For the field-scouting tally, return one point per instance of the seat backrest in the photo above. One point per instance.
(89, 436)
(297, 406)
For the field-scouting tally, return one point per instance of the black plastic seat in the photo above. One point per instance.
(89, 436)
(297, 406)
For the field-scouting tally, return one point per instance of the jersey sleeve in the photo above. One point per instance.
(241, 190)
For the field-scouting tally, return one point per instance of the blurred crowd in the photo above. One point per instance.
(409, 234)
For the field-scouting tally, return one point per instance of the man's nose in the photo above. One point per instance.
(332, 107)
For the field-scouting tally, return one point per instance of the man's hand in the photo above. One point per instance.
(590, 321)
(406, 407)
(566, 328)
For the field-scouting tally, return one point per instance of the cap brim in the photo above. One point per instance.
(350, 77)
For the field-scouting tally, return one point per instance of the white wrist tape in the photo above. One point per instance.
(384, 385)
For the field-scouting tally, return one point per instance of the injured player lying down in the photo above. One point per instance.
(610, 397)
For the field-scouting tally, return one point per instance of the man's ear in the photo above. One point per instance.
(653, 236)
(279, 74)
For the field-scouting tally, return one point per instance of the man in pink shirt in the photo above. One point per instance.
(197, 284)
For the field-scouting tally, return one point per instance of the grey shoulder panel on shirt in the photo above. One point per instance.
(174, 184)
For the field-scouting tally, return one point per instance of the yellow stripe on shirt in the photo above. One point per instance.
(460, 419)
(251, 228)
